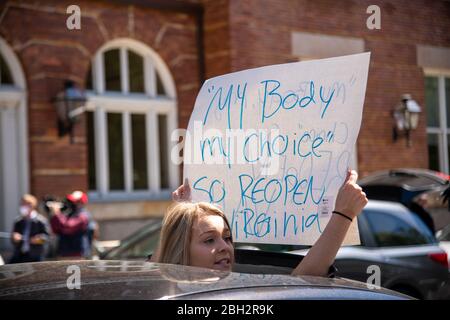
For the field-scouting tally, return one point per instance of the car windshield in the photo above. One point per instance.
(138, 245)
(400, 229)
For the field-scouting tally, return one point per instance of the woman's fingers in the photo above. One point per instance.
(352, 177)
(349, 173)
(187, 187)
(351, 199)
(183, 192)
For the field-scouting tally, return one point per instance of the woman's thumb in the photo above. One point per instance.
(352, 176)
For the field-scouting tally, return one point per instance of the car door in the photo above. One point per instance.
(357, 262)
(406, 243)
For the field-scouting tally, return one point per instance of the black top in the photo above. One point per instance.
(38, 226)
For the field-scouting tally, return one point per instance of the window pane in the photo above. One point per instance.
(115, 148)
(432, 101)
(91, 151)
(163, 151)
(139, 140)
(136, 72)
(89, 79)
(160, 91)
(433, 152)
(112, 70)
(447, 100)
(5, 74)
(390, 230)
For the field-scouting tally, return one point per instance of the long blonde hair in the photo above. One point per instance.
(177, 227)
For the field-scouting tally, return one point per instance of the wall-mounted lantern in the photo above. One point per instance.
(70, 104)
(406, 117)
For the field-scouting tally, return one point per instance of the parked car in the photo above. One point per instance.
(100, 279)
(411, 187)
(415, 188)
(398, 242)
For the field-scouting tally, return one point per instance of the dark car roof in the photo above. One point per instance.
(408, 179)
(401, 185)
(144, 280)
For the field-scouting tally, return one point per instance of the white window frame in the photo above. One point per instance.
(100, 102)
(444, 128)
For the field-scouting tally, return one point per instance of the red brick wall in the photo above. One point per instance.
(237, 35)
(217, 37)
(50, 53)
(260, 34)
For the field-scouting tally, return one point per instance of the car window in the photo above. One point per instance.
(365, 235)
(392, 230)
(139, 249)
(139, 245)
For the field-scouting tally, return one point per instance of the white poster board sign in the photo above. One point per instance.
(271, 146)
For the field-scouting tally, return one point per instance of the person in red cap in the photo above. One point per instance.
(73, 227)
(78, 197)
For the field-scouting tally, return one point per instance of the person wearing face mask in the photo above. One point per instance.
(30, 232)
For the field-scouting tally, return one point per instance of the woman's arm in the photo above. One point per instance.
(350, 201)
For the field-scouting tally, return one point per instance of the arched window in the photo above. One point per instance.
(131, 113)
(14, 163)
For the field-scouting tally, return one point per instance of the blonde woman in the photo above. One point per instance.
(198, 234)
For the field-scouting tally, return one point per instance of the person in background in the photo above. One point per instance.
(30, 232)
(73, 226)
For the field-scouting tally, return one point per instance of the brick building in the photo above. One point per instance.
(142, 63)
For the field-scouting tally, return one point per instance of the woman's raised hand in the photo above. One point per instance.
(350, 199)
(183, 192)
